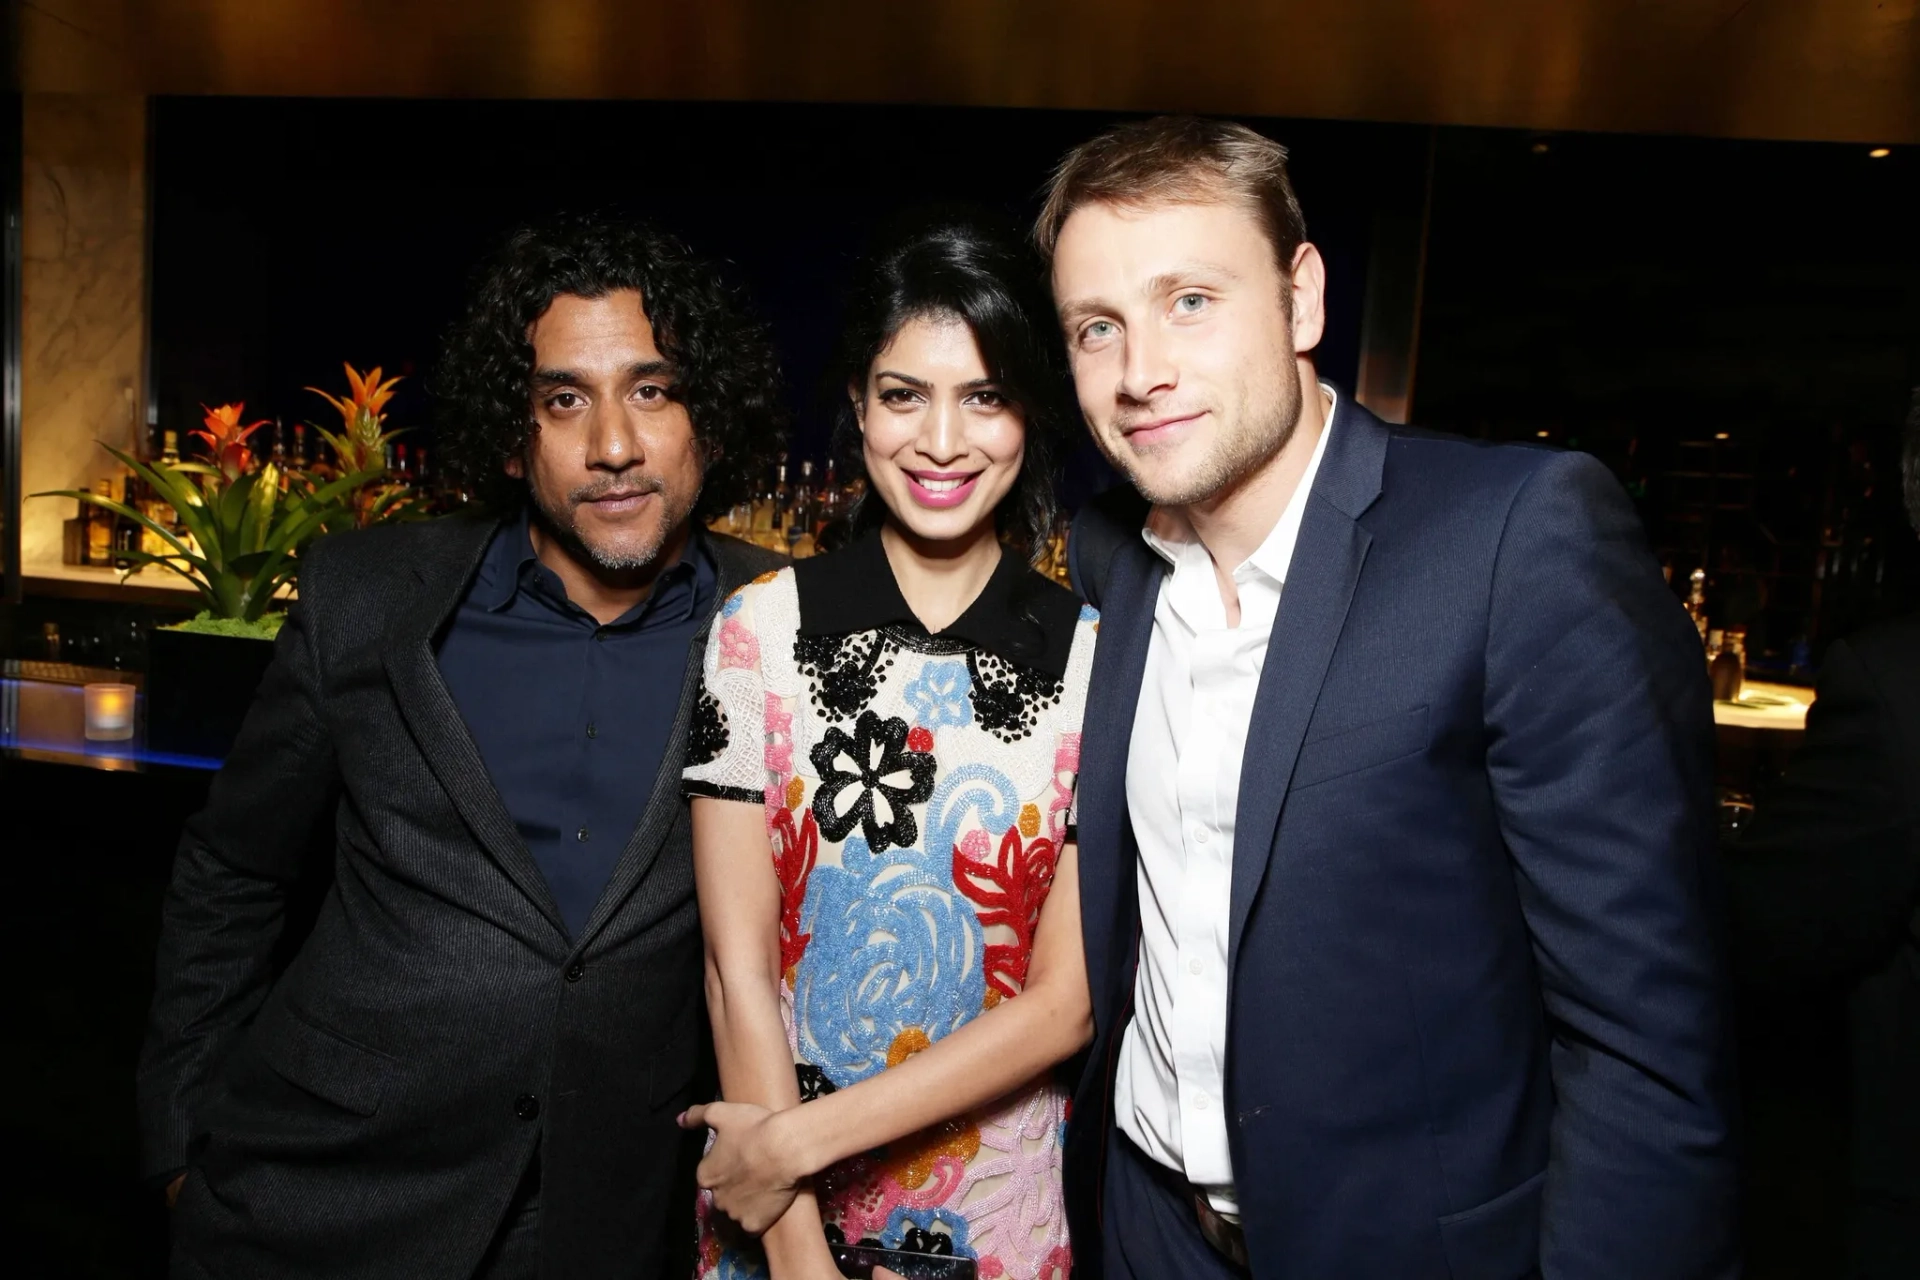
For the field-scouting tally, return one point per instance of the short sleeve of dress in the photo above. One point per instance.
(726, 742)
(1073, 707)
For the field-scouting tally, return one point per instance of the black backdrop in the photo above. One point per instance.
(1732, 326)
(292, 234)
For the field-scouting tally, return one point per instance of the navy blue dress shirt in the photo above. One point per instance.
(571, 717)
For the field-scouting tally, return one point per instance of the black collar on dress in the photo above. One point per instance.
(1019, 615)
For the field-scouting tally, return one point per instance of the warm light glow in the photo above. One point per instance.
(1540, 148)
(1543, 434)
(1880, 153)
(109, 712)
(1723, 435)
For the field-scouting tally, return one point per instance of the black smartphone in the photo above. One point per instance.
(857, 1261)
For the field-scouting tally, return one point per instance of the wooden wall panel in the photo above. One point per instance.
(1810, 69)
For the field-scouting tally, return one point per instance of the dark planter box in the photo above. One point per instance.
(199, 688)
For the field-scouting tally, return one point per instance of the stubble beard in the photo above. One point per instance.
(563, 524)
(1245, 443)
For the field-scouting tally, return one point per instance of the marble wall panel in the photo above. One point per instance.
(83, 321)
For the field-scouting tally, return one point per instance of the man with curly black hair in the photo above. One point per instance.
(473, 1063)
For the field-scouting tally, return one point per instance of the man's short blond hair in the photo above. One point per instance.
(1178, 160)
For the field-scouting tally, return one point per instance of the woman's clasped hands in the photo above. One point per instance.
(753, 1168)
(749, 1168)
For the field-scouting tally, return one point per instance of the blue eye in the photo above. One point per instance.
(1197, 301)
(1098, 329)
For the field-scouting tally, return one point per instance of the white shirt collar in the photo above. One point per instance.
(1175, 540)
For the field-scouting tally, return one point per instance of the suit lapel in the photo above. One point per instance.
(1106, 857)
(1326, 566)
(663, 806)
(434, 720)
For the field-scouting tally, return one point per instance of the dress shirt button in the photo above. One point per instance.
(1201, 1102)
(1200, 835)
(1196, 967)
(576, 971)
(583, 835)
(527, 1107)
(591, 731)
(600, 634)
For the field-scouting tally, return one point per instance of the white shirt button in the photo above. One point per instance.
(1196, 966)
(1200, 835)
(1201, 1102)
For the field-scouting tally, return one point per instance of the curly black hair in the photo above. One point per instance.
(724, 367)
(966, 263)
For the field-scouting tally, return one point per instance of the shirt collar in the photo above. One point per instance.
(1025, 622)
(1173, 539)
(511, 566)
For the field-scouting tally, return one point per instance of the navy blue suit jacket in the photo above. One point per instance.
(1476, 1022)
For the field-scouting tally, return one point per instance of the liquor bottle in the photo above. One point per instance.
(158, 512)
(1697, 602)
(73, 538)
(279, 455)
(420, 474)
(828, 506)
(402, 463)
(800, 515)
(1729, 666)
(100, 526)
(766, 509)
(301, 458)
(126, 530)
(170, 447)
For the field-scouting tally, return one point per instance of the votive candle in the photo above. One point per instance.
(109, 712)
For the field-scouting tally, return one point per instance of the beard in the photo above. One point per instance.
(1245, 442)
(562, 521)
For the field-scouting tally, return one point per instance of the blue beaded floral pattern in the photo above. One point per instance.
(893, 947)
(938, 695)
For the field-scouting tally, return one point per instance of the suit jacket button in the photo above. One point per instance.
(526, 1106)
(576, 971)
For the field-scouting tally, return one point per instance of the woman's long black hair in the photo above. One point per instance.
(964, 264)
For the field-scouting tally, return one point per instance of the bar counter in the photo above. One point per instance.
(43, 718)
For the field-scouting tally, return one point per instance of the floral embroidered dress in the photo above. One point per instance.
(917, 788)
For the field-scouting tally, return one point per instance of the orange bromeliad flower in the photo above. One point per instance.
(369, 398)
(227, 439)
(361, 443)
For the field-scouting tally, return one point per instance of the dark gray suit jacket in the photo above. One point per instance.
(370, 1110)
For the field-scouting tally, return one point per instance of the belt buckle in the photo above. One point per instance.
(1224, 1237)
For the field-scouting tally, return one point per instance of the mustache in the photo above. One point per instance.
(621, 486)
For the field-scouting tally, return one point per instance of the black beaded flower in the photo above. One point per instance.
(707, 733)
(814, 1083)
(843, 671)
(870, 778)
(1009, 697)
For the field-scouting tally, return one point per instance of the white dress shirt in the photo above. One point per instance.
(1183, 785)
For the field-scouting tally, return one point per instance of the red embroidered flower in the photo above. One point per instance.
(919, 738)
(794, 853)
(1009, 891)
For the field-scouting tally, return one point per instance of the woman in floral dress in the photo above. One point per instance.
(883, 764)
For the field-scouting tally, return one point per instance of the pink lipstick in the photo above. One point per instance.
(941, 489)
